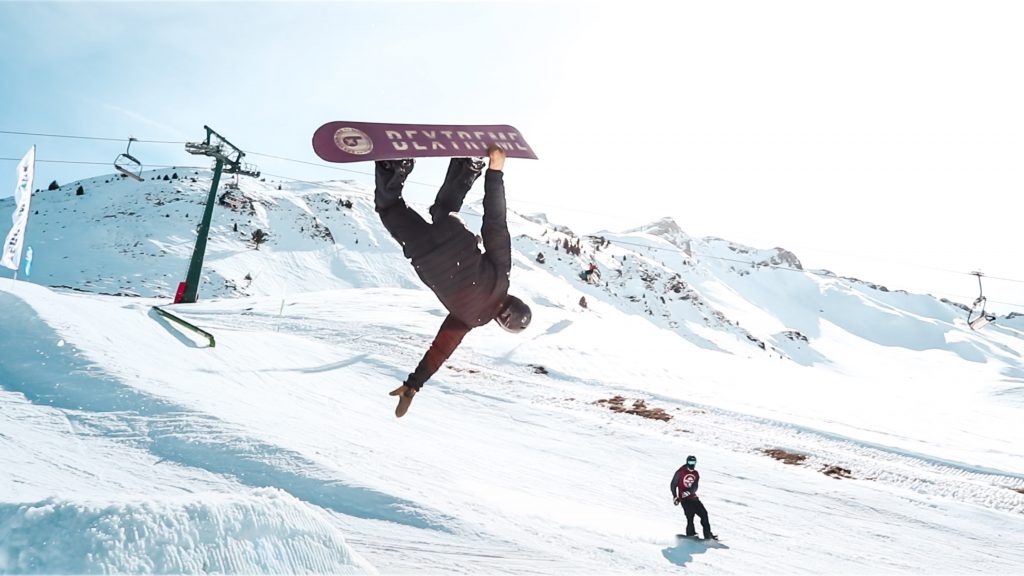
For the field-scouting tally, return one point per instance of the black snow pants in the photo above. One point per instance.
(404, 223)
(693, 508)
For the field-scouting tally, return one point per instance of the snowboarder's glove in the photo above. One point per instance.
(405, 394)
(676, 501)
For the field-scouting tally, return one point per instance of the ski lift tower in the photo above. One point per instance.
(228, 159)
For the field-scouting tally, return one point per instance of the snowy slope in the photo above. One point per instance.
(136, 238)
(131, 446)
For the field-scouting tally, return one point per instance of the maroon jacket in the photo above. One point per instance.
(471, 284)
(685, 480)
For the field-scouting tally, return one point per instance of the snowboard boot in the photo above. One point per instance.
(462, 174)
(711, 536)
(390, 180)
(402, 167)
(405, 395)
(466, 170)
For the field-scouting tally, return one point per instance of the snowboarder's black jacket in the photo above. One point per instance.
(471, 284)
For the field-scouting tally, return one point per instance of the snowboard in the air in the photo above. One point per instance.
(367, 141)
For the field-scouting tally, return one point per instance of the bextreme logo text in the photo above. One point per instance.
(455, 140)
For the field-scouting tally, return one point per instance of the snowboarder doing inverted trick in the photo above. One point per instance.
(684, 491)
(471, 284)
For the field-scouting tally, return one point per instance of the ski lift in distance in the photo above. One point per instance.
(979, 321)
(127, 164)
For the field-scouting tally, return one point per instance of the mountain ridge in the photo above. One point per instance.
(716, 294)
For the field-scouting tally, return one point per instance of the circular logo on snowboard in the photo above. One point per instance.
(353, 141)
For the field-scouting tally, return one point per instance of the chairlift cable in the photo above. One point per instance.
(309, 163)
(107, 163)
(319, 165)
(998, 278)
(86, 137)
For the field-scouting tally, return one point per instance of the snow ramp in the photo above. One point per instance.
(262, 531)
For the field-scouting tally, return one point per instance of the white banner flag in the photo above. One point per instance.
(11, 257)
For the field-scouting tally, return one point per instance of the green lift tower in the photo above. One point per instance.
(228, 159)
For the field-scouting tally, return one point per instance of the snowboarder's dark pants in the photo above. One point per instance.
(404, 223)
(696, 508)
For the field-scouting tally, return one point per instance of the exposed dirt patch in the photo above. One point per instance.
(636, 407)
(537, 369)
(783, 456)
(459, 369)
(836, 472)
(797, 459)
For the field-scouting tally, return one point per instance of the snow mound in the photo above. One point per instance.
(263, 531)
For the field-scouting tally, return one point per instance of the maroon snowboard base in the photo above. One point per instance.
(367, 141)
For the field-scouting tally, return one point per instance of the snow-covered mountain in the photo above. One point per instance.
(128, 445)
(111, 235)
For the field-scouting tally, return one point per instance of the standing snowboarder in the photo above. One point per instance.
(471, 284)
(684, 491)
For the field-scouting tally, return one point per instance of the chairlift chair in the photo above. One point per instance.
(979, 321)
(243, 168)
(232, 185)
(127, 164)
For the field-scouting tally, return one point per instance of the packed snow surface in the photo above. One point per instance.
(131, 445)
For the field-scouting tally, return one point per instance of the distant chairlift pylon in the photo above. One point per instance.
(127, 164)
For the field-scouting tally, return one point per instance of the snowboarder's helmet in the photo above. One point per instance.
(514, 315)
(691, 461)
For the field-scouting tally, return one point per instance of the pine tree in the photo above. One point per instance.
(259, 237)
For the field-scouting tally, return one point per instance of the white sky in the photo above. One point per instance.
(875, 139)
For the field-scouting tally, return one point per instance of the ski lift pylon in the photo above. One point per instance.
(127, 164)
(977, 322)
